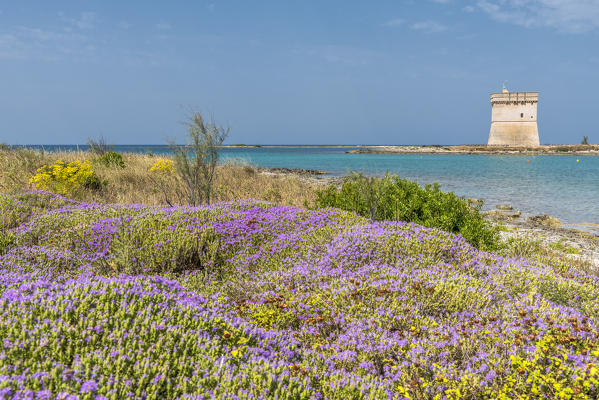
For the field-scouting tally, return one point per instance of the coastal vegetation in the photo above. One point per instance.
(111, 159)
(254, 299)
(391, 198)
(102, 296)
(195, 163)
(66, 178)
(99, 146)
(135, 183)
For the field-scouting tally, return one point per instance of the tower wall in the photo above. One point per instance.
(514, 119)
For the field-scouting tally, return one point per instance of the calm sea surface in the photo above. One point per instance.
(554, 184)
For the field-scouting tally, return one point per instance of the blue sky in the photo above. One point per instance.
(290, 72)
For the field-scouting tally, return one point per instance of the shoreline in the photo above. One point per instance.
(557, 149)
(563, 239)
(571, 149)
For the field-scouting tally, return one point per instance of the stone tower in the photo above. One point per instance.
(514, 119)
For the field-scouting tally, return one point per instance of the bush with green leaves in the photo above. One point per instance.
(394, 199)
(111, 159)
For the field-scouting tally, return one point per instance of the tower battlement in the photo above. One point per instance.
(515, 98)
(514, 119)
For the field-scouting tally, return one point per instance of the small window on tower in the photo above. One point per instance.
(521, 115)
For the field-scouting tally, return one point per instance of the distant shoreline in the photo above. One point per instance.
(557, 149)
(566, 149)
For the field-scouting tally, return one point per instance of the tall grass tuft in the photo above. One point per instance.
(99, 146)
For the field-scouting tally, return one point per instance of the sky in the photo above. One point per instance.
(294, 72)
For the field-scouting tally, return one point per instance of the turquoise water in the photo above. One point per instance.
(557, 185)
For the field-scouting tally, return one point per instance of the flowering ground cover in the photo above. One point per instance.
(255, 300)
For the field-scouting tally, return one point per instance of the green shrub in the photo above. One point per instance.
(111, 159)
(395, 199)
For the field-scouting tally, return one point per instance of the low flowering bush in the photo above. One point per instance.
(250, 299)
(65, 177)
(162, 166)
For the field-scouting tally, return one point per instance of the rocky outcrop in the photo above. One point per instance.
(500, 215)
(545, 220)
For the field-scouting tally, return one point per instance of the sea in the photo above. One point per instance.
(563, 186)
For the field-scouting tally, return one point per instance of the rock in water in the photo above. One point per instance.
(545, 220)
(505, 207)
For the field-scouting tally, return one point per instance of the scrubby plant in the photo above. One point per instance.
(111, 159)
(585, 140)
(273, 195)
(99, 146)
(560, 246)
(65, 178)
(195, 163)
(520, 247)
(393, 199)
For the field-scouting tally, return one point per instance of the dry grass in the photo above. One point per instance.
(134, 184)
